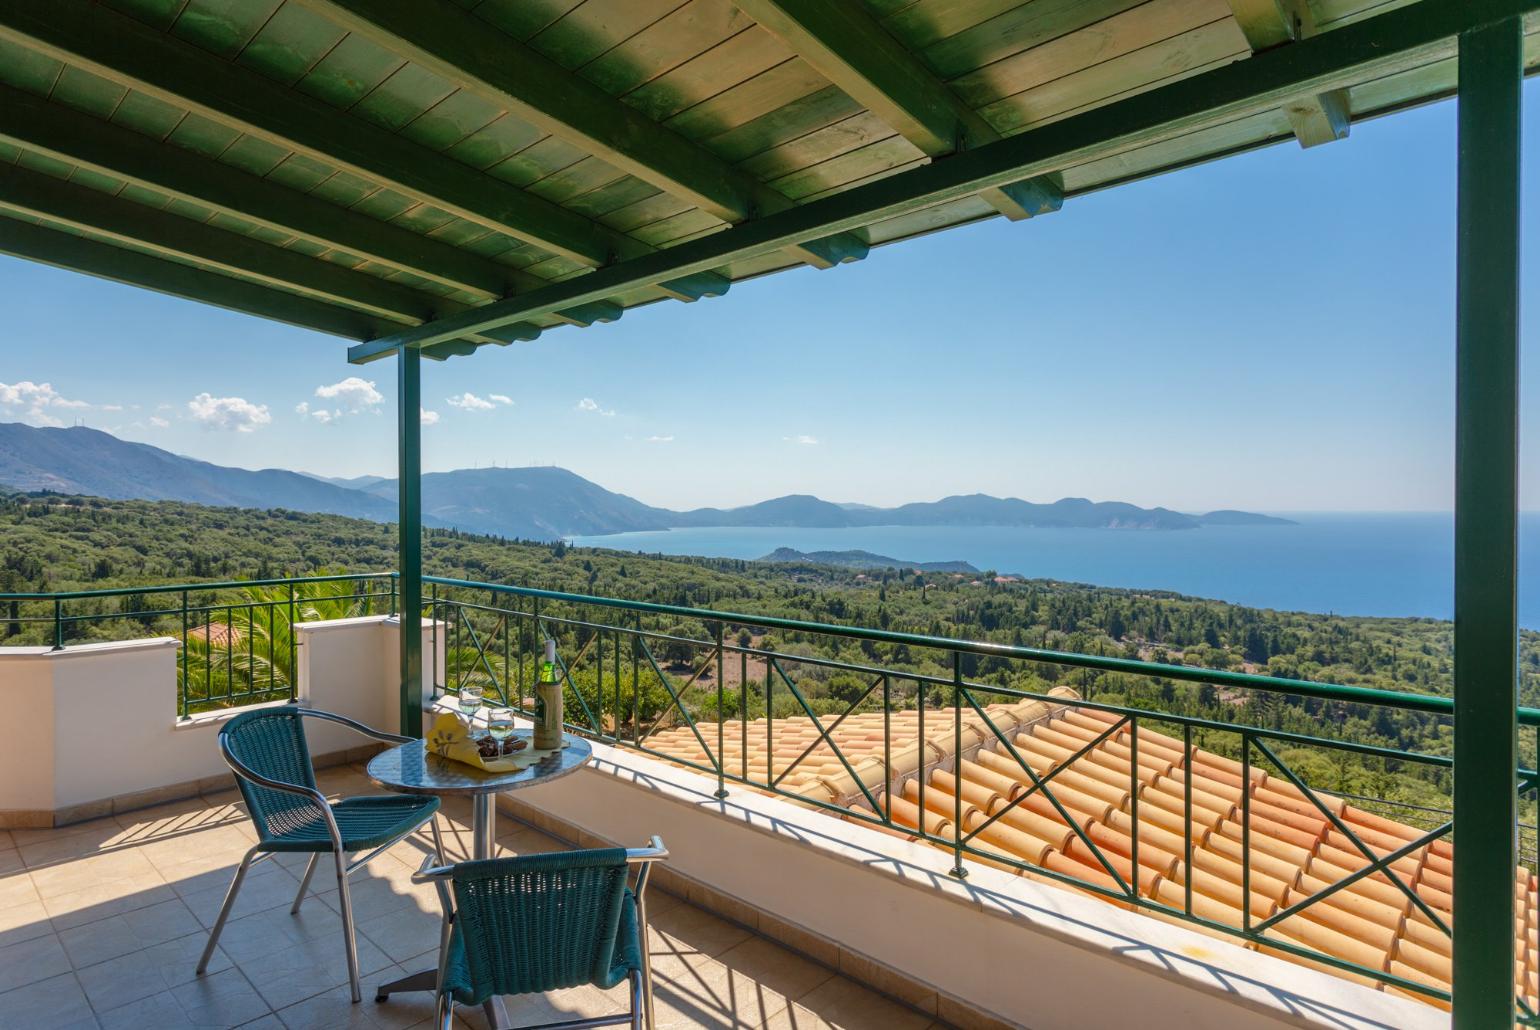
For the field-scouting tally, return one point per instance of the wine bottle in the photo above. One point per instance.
(548, 703)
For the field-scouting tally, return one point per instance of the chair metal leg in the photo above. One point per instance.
(641, 929)
(490, 1011)
(444, 1012)
(347, 923)
(638, 1001)
(304, 883)
(224, 910)
(438, 839)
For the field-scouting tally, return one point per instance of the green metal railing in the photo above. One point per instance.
(634, 670)
(631, 674)
(238, 644)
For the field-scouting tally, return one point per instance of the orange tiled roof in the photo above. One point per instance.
(1295, 850)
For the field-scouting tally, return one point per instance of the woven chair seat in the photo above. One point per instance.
(365, 822)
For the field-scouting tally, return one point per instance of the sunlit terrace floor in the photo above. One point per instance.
(102, 922)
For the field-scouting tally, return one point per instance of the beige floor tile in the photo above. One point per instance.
(23, 922)
(132, 931)
(103, 901)
(128, 901)
(153, 971)
(266, 887)
(57, 1003)
(16, 888)
(685, 929)
(843, 1004)
(126, 867)
(404, 932)
(744, 986)
(31, 961)
(306, 969)
(223, 999)
(159, 1010)
(95, 837)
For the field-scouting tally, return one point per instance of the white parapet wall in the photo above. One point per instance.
(94, 728)
(989, 950)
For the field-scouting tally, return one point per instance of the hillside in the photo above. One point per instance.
(86, 461)
(536, 503)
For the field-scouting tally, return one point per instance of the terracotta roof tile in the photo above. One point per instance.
(1295, 849)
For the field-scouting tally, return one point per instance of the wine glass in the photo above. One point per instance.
(470, 700)
(500, 723)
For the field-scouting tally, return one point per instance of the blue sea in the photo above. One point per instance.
(1351, 564)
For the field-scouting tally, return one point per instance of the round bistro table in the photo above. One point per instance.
(411, 768)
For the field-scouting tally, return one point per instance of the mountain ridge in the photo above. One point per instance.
(541, 503)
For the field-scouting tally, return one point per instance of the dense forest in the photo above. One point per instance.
(55, 543)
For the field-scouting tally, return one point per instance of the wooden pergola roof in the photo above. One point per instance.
(384, 171)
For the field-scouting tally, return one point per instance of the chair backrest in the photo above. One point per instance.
(271, 743)
(540, 922)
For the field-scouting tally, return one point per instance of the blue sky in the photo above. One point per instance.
(1273, 332)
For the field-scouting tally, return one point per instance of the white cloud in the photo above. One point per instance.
(469, 402)
(429, 418)
(158, 422)
(501, 398)
(589, 404)
(351, 396)
(352, 393)
(803, 438)
(34, 400)
(229, 413)
(661, 439)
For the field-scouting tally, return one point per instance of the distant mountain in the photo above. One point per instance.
(533, 503)
(354, 483)
(87, 461)
(860, 560)
(801, 510)
(984, 510)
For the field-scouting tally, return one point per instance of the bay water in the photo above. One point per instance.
(1398, 564)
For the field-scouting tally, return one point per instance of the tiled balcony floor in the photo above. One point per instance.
(101, 924)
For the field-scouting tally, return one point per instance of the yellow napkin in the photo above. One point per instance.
(451, 738)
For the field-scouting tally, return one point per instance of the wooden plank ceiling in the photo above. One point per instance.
(360, 167)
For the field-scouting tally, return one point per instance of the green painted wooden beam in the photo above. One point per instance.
(691, 288)
(109, 217)
(1315, 118)
(127, 51)
(850, 49)
(585, 315)
(73, 137)
(112, 219)
(105, 261)
(1398, 39)
(460, 48)
(1486, 639)
(457, 46)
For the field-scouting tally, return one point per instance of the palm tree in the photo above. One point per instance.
(242, 650)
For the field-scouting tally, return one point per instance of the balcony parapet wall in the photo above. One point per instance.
(92, 729)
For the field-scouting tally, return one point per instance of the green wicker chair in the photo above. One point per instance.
(540, 923)
(266, 750)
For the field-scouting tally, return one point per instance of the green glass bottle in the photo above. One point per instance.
(548, 703)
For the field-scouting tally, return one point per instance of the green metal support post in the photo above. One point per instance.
(409, 477)
(1486, 525)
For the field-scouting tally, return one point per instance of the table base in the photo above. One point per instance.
(483, 845)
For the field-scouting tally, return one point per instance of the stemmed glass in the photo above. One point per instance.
(470, 701)
(500, 724)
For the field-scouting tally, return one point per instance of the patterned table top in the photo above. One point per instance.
(410, 769)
